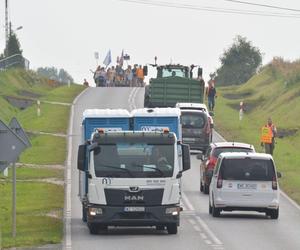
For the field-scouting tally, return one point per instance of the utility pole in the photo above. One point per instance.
(6, 24)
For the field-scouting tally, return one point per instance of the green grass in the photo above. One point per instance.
(34, 201)
(269, 97)
(52, 119)
(64, 93)
(46, 149)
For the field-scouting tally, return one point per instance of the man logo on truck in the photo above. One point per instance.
(133, 198)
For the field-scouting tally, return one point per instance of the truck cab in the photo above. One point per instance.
(132, 177)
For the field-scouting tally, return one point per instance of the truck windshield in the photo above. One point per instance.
(134, 160)
(166, 72)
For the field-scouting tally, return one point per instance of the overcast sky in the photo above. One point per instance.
(66, 33)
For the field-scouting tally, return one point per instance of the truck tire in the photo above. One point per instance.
(84, 214)
(146, 97)
(93, 228)
(172, 228)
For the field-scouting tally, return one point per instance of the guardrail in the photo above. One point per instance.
(16, 60)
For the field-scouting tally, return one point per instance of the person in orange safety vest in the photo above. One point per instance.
(267, 138)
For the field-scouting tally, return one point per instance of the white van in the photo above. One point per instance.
(245, 182)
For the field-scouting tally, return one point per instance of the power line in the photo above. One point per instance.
(263, 5)
(213, 9)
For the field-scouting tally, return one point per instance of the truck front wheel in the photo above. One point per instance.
(93, 228)
(172, 228)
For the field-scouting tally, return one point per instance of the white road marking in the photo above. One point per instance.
(68, 181)
(204, 237)
(208, 242)
(208, 231)
(192, 221)
(197, 228)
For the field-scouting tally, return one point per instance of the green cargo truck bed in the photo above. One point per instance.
(167, 91)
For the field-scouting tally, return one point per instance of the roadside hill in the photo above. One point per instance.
(40, 170)
(273, 92)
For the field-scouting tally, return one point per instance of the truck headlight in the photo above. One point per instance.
(172, 210)
(93, 211)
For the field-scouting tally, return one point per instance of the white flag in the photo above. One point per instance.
(107, 59)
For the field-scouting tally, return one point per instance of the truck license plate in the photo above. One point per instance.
(134, 209)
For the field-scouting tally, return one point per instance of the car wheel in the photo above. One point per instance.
(172, 228)
(201, 186)
(274, 213)
(160, 227)
(206, 188)
(93, 228)
(215, 211)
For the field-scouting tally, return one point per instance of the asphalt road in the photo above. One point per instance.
(198, 230)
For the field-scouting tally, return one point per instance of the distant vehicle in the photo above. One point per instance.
(174, 83)
(209, 159)
(245, 182)
(196, 106)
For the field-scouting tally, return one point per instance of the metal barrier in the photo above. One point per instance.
(16, 60)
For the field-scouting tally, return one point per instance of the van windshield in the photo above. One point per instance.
(193, 120)
(247, 169)
(134, 160)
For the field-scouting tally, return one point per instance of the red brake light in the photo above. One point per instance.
(274, 183)
(212, 162)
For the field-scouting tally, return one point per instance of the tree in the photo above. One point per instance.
(53, 73)
(238, 63)
(13, 46)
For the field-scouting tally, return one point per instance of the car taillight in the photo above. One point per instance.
(219, 181)
(212, 162)
(274, 183)
(207, 128)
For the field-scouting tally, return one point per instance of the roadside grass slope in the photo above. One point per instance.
(40, 191)
(274, 92)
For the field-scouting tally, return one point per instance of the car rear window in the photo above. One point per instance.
(193, 120)
(247, 169)
(219, 150)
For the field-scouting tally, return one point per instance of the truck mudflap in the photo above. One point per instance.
(133, 215)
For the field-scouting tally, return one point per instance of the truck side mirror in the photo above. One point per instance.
(81, 157)
(186, 159)
(145, 70)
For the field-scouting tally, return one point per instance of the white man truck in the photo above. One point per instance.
(129, 177)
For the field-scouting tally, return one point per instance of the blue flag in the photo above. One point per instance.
(107, 59)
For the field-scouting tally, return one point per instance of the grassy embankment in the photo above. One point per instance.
(274, 92)
(40, 193)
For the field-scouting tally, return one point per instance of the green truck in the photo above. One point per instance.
(173, 84)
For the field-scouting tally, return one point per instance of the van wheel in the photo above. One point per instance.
(274, 213)
(209, 208)
(206, 188)
(172, 228)
(93, 228)
(215, 211)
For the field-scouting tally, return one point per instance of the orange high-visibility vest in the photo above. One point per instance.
(266, 134)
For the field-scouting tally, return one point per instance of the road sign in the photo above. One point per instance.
(16, 127)
(11, 146)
